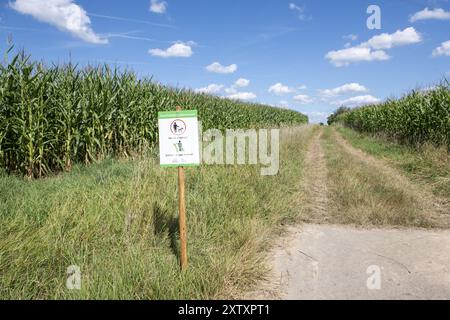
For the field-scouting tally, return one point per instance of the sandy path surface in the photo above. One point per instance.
(319, 261)
(341, 262)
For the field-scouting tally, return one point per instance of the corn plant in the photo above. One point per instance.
(52, 117)
(416, 118)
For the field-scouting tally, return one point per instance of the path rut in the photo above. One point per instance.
(319, 261)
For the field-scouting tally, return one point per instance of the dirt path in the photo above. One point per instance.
(341, 262)
(318, 261)
(437, 208)
(315, 182)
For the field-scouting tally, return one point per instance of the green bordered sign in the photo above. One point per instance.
(178, 138)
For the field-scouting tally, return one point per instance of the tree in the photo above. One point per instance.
(332, 118)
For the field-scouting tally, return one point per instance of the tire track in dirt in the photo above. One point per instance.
(323, 261)
(438, 209)
(313, 209)
(315, 183)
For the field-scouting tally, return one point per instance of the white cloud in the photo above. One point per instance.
(396, 39)
(280, 89)
(231, 90)
(357, 101)
(158, 7)
(373, 49)
(347, 56)
(216, 67)
(242, 96)
(425, 14)
(179, 49)
(64, 14)
(302, 87)
(303, 99)
(317, 113)
(210, 89)
(351, 37)
(300, 11)
(242, 83)
(442, 50)
(284, 103)
(317, 116)
(346, 88)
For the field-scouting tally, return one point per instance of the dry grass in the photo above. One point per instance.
(367, 192)
(315, 184)
(426, 164)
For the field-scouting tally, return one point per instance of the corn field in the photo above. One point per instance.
(52, 117)
(417, 118)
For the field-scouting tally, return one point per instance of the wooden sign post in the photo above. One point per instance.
(179, 147)
(182, 217)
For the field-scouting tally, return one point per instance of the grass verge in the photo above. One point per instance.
(363, 196)
(117, 221)
(427, 164)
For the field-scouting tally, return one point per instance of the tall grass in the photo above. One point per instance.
(428, 164)
(51, 117)
(117, 221)
(415, 119)
(363, 193)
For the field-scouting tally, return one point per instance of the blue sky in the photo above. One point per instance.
(308, 55)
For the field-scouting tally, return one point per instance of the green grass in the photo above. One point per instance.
(426, 164)
(362, 195)
(117, 220)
